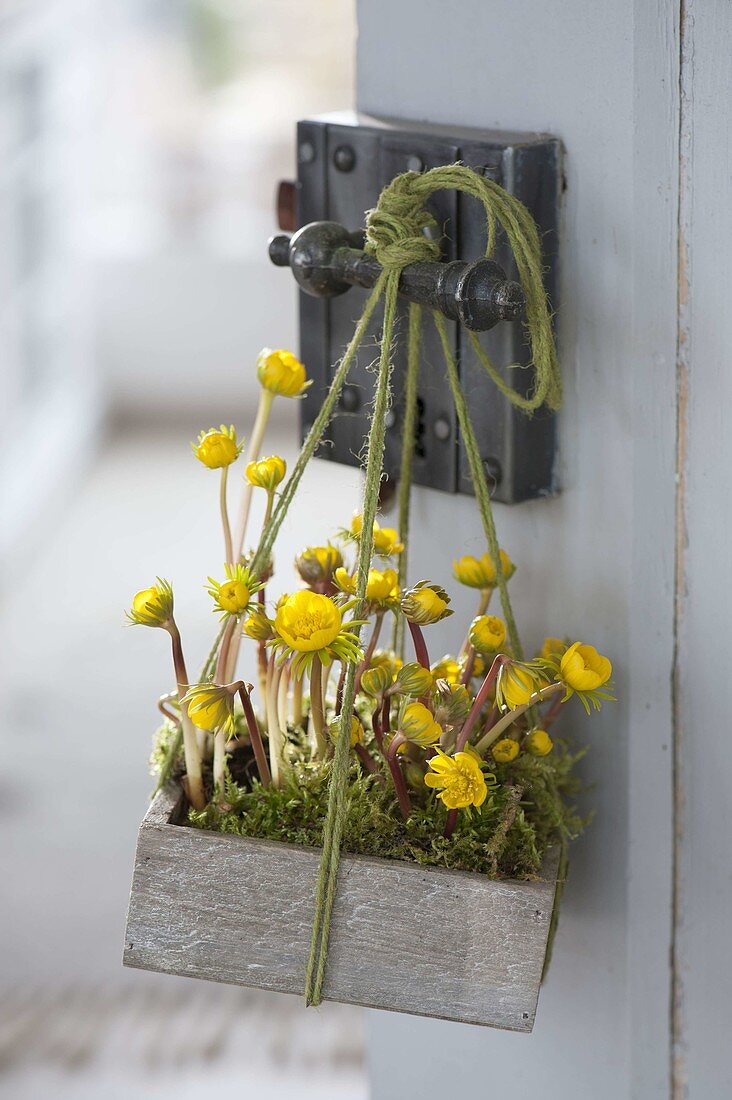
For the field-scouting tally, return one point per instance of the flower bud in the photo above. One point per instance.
(152, 606)
(582, 668)
(516, 685)
(418, 725)
(505, 750)
(552, 647)
(425, 603)
(217, 448)
(281, 373)
(413, 679)
(538, 743)
(481, 572)
(357, 734)
(447, 668)
(258, 626)
(452, 703)
(386, 541)
(316, 564)
(266, 473)
(487, 633)
(210, 707)
(376, 680)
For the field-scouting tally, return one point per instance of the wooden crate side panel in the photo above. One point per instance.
(424, 941)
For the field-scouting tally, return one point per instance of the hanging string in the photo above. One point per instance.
(409, 440)
(337, 793)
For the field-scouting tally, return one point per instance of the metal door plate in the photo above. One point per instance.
(343, 163)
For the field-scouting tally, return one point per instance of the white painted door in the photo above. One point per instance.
(635, 551)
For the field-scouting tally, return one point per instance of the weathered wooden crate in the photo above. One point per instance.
(403, 937)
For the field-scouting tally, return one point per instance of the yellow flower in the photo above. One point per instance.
(281, 373)
(217, 447)
(318, 563)
(582, 668)
(481, 572)
(425, 603)
(376, 680)
(210, 707)
(552, 647)
(418, 725)
(480, 668)
(233, 595)
(459, 779)
(357, 734)
(152, 606)
(538, 743)
(413, 679)
(505, 750)
(386, 541)
(308, 621)
(267, 473)
(487, 633)
(258, 626)
(447, 668)
(388, 659)
(516, 685)
(309, 624)
(382, 586)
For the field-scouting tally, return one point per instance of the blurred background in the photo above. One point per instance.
(142, 141)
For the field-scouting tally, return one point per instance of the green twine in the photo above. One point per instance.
(395, 234)
(409, 439)
(337, 801)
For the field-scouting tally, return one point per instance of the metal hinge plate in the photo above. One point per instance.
(343, 163)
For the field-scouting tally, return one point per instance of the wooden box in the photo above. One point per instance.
(406, 938)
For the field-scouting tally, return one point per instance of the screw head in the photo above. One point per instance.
(306, 152)
(414, 163)
(442, 429)
(350, 398)
(344, 158)
(493, 470)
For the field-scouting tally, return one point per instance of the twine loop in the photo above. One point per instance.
(399, 230)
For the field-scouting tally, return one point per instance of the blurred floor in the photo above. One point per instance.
(78, 702)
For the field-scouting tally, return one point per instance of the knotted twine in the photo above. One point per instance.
(397, 235)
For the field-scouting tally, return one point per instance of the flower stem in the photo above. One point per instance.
(369, 649)
(483, 694)
(228, 550)
(255, 442)
(276, 739)
(317, 714)
(397, 775)
(508, 719)
(420, 647)
(297, 686)
(367, 759)
(191, 750)
(255, 735)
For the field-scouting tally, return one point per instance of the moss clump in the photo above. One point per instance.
(529, 811)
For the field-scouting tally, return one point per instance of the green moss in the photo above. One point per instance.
(502, 839)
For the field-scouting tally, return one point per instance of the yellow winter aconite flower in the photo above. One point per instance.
(266, 473)
(386, 539)
(505, 750)
(481, 572)
(258, 625)
(418, 725)
(459, 779)
(516, 684)
(318, 563)
(217, 447)
(487, 633)
(152, 606)
(376, 680)
(309, 624)
(538, 743)
(211, 707)
(281, 373)
(582, 668)
(447, 668)
(382, 586)
(552, 647)
(357, 734)
(233, 595)
(425, 603)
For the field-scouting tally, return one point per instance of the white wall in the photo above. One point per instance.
(598, 562)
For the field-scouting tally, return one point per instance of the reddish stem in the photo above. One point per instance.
(254, 735)
(367, 759)
(553, 711)
(339, 689)
(400, 785)
(420, 648)
(369, 650)
(376, 726)
(480, 699)
(469, 666)
(450, 824)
